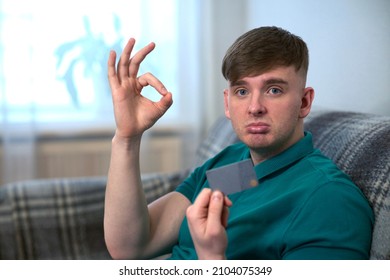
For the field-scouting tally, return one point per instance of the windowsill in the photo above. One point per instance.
(85, 130)
(83, 127)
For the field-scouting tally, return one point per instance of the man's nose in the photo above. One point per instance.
(256, 105)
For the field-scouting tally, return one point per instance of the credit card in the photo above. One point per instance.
(233, 178)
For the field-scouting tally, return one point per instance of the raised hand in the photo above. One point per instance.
(207, 220)
(134, 113)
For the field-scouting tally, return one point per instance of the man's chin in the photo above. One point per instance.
(257, 141)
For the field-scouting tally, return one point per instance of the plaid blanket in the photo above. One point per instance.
(62, 218)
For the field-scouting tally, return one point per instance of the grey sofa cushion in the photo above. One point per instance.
(220, 135)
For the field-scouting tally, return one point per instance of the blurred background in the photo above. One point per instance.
(55, 106)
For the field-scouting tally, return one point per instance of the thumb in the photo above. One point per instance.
(216, 209)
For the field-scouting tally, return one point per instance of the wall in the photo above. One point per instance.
(222, 22)
(349, 46)
(349, 43)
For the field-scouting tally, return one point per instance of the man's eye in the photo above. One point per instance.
(274, 91)
(242, 92)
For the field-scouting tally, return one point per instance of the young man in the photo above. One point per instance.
(303, 206)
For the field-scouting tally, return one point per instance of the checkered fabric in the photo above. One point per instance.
(62, 218)
(52, 219)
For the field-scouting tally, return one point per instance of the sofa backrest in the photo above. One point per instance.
(219, 136)
(358, 143)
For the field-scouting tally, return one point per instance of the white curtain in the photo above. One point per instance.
(53, 67)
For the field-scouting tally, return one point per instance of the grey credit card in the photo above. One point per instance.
(233, 177)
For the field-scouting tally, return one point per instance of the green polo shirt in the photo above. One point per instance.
(304, 207)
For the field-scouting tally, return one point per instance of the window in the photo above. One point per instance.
(54, 55)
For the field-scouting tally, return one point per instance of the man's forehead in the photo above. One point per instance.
(280, 75)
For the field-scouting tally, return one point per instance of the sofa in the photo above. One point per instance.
(63, 218)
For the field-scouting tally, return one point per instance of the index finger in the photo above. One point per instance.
(149, 79)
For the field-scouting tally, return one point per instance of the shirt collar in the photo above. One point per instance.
(297, 151)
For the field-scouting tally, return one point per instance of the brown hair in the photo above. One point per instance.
(262, 49)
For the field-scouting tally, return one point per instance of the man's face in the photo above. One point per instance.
(267, 110)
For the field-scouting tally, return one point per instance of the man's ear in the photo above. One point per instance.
(307, 101)
(226, 102)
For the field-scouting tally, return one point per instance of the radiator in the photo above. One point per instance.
(72, 158)
(87, 156)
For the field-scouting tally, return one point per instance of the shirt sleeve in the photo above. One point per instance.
(191, 186)
(188, 186)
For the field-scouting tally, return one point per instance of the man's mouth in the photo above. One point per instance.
(257, 128)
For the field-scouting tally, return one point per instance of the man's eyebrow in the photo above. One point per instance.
(238, 83)
(275, 81)
(270, 81)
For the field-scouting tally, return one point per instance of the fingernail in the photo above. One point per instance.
(164, 90)
(217, 196)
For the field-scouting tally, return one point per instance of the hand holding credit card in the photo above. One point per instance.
(233, 178)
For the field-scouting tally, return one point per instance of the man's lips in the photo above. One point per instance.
(257, 127)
